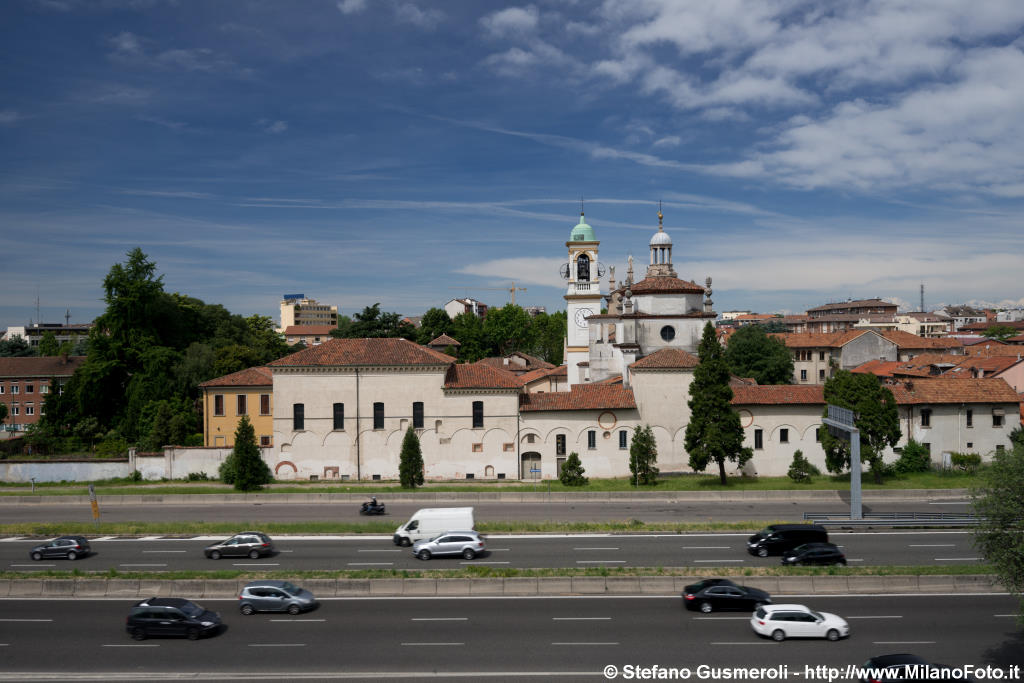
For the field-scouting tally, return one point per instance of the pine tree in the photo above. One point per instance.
(643, 453)
(572, 471)
(410, 465)
(714, 433)
(244, 467)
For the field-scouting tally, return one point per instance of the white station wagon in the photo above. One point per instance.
(797, 621)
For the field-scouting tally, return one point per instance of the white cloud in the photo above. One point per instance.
(9, 117)
(427, 19)
(268, 126)
(511, 21)
(126, 44)
(351, 6)
(173, 125)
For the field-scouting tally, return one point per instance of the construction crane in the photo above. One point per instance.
(511, 290)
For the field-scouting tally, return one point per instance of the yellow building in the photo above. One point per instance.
(225, 399)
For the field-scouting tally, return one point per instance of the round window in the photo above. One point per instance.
(668, 333)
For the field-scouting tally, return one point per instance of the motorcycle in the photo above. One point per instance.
(372, 507)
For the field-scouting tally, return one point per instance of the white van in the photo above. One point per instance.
(431, 522)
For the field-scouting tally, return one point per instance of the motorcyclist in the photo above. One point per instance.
(373, 502)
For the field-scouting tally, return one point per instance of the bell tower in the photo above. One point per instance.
(582, 298)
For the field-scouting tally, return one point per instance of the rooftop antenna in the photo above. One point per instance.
(581, 205)
(67, 317)
(38, 319)
(922, 297)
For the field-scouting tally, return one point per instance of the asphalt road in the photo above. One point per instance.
(209, 509)
(495, 639)
(862, 548)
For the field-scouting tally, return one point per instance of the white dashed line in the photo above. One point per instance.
(595, 548)
(439, 619)
(277, 645)
(584, 643)
(429, 644)
(142, 565)
(585, 618)
(370, 564)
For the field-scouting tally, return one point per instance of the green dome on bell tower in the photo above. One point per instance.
(582, 232)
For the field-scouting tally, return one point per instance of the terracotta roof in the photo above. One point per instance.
(936, 359)
(443, 340)
(981, 327)
(532, 363)
(879, 368)
(307, 330)
(994, 348)
(378, 351)
(860, 303)
(581, 397)
(479, 375)
(614, 379)
(989, 364)
(250, 377)
(804, 340)
(541, 373)
(666, 358)
(659, 284)
(1019, 339)
(905, 340)
(755, 316)
(775, 394)
(40, 366)
(946, 390)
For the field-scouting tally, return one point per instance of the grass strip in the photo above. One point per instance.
(480, 572)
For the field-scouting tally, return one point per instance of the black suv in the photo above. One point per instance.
(170, 617)
(71, 547)
(252, 544)
(815, 553)
(776, 539)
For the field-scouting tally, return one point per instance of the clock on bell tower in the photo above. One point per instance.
(582, 297)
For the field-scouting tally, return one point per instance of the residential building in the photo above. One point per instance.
(310, 335)
(297, 310)
(962, 315)
(457, 307)
(34, 332)
(24, 384)
(226, 399)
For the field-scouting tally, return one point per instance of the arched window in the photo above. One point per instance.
(583, 267)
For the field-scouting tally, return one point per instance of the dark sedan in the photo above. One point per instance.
(815, 553)
(724, 596)
(251, 544)
(70, 547)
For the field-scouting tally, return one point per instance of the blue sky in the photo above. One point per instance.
(408, 152)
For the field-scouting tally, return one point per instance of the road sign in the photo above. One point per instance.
(535, 470)
(840, 422)
(93, 503)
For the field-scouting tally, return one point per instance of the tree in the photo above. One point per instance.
(1017, 436)
(643, 454)
(410, 462)
(468, 329)
(876, 418)
(801, 469)
(244, 468)
(999, 505)
(507, 329)
(999, 332)
(572, 471)
(549, 336)
(15, 347)
(434, 323)
(48, 344)
(3, 412)
(752, 353)
(714, 433)
(372, 323)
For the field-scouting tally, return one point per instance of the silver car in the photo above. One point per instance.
(469, 544)
(270, 595)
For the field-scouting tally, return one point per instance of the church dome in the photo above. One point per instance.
(582, 232)
(661, 239)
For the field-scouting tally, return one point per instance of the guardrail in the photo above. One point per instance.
(894, 519)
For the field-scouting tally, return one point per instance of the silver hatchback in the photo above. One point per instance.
(469, 544)
(270, 595)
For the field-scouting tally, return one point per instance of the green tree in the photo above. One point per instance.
(15, 347)
(372, 323)
(876, 418)
(914, 458)
(752, 353)
(410, 462)
(264, 339)
(469, 330)
(1000, 332)
(244, 468)
(714, 433)
(3, 413)
(1017, 436)
(434, 323)
(48, 344)
(643, 454)
(801, 470)
(999, 504)
(549, 336)
(507, 329)
(572, 471)
(775, 325)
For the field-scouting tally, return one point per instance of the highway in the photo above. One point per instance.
(213, 509)
(493, 639)
(862, 548)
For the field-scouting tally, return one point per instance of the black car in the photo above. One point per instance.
(776, 539)
(724, 596)
(170, 617)
(907, 667)
(251, 544)
(70, 547)
(815, 553)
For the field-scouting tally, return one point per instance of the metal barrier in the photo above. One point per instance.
(895, 519)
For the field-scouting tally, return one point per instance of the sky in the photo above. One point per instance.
(407, 153)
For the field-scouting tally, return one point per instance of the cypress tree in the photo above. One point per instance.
(410, 465)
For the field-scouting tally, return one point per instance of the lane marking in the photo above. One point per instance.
(296, 621)
(421, 644)
(581, 618)
(361, 550)
(277, 645)
(33, 565)
(584, 643)
(706, 547)
(932, 545)
(146, 645)
(498, 550)
(142, 565)
(595, 548)
(695, 561)
(255, 564)
(903, 642)
(952, 559)
(483, 562)
(164, 551)
(1004, 615)
(600, 561)
(744, 643)
(894, 616)
(30, 620)
(963, 502)
(722, 618)
(370, 564)
(439, 619)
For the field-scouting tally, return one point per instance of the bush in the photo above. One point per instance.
(914, 458)
(801, 470)
(572, 471)
(198, 476)
(966, 462)
(112, 447)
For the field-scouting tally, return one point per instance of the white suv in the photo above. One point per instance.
(469, 544)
